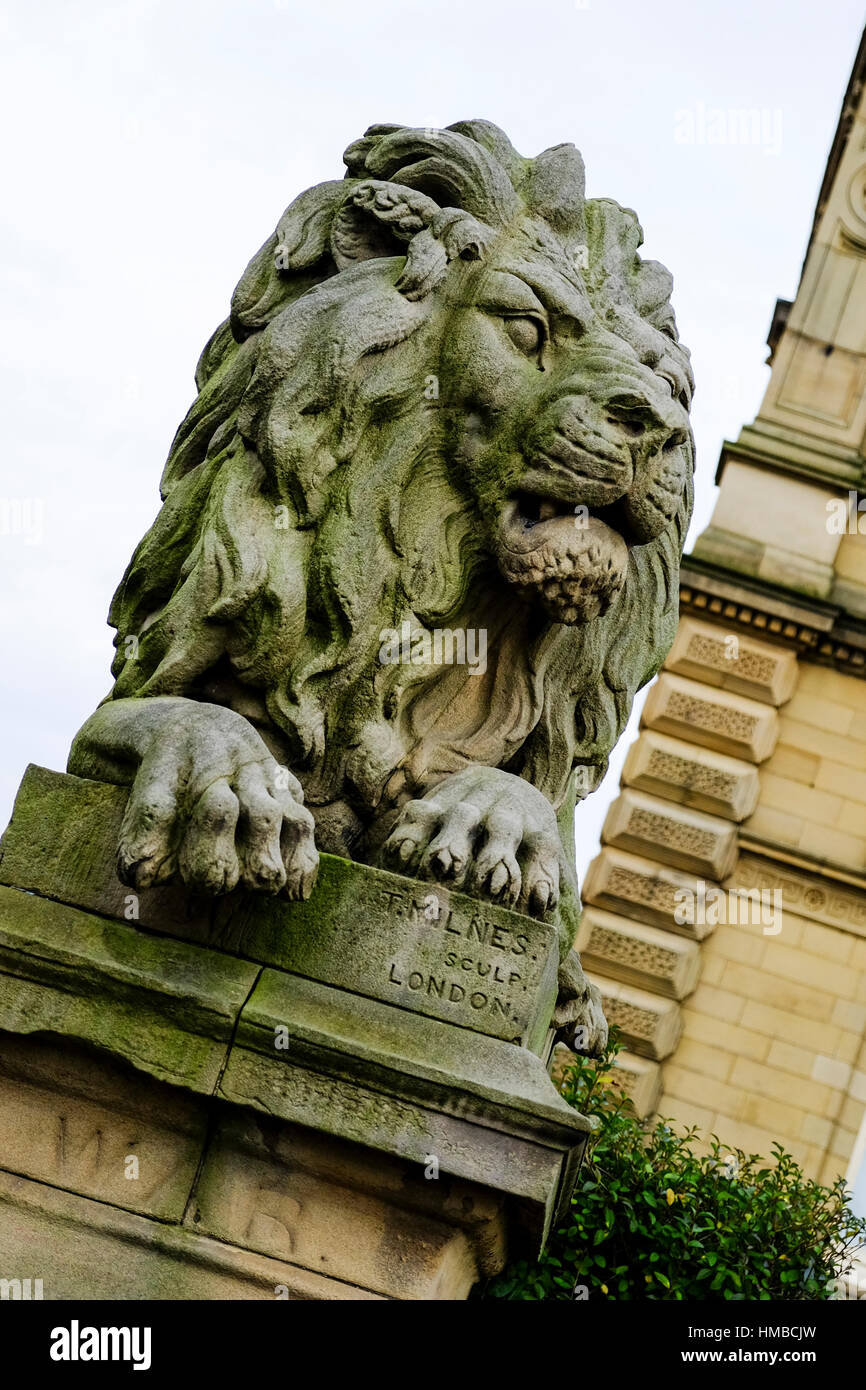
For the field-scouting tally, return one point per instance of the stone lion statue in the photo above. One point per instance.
(449, 402)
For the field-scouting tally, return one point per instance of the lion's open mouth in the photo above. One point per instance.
(568, 557)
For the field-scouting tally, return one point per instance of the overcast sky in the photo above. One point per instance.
(149, 148)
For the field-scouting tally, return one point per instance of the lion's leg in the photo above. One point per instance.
(208, 802)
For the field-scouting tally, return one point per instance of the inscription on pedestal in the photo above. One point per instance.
(482, 965)
(411, 944)
(396, 939)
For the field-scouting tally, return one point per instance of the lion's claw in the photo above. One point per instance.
(210, 805)
(484, 831)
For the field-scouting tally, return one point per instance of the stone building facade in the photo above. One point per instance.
(744, 1011)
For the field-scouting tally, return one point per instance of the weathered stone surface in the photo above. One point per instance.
(374, 1074)
(61, 843)
(346, 1212)
(676, 835)
(83, 1249)
(408, 1086)
(390, 1076)
(735, 661)
(642, 889)
(265, 710)
(165, 1006)
(421, 947)
(715, 718)
(78, 1120)
(650, 1024)
(423, 1188)
(280, 687)
(638, 954)
(698, 777)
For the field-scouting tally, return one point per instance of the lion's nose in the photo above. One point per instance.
(637, 417)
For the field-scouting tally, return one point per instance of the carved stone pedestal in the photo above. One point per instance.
(342, 1098)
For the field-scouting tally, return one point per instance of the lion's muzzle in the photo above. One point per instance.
(605, 470)
(573, 563)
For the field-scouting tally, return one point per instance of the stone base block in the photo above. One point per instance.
(82, 1249)
(261, 1096)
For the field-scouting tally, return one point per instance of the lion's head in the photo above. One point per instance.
(449, 394)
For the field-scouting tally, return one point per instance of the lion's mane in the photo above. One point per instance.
(308, 502)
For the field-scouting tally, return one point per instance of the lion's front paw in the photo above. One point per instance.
(486, 832)
(211, 805)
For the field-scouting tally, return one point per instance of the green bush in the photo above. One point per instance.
(653, 1218)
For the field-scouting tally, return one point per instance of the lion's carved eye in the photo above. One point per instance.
(525, 333)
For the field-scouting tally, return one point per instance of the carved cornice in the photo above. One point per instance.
(809, 888)
(819, 632)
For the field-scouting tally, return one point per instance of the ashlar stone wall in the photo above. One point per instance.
(725, 917)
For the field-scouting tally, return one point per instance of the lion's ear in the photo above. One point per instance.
(304, 230)
(257, 293)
